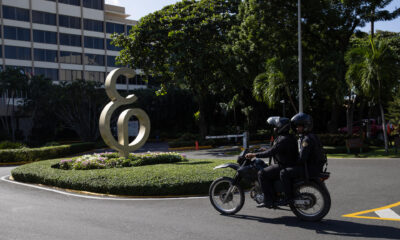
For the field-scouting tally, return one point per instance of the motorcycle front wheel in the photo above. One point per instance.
(313, 202)
(226, 197)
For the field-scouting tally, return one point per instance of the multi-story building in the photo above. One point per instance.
(63, 39)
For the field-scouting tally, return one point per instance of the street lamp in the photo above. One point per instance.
(300, 58)
(283, 107)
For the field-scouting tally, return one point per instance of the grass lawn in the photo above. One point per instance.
(376, 152)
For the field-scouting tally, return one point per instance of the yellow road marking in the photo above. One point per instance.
(357, 214)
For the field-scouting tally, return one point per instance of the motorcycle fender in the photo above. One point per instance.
(228, 165)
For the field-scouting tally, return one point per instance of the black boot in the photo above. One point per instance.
(267, 204)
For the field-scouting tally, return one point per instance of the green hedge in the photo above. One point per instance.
(183, 178)
(37, 154)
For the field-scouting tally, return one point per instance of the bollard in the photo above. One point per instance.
(197, 145)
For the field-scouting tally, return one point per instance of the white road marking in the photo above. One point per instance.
(387, 213)
(5, 178)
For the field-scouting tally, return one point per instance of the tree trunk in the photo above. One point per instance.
(349, 115)
(385, 137)
(202, 117)
(333, 123)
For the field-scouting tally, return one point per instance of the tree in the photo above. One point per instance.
(39, 108)
(373, 71)
(78, 106)
(278, 77)
(13, 87)
(394, 112)
(182, 45)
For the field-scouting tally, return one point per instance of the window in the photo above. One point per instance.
(47, 73)
(71, 2)
(111, 62)
(13, 13)
(69, 22)
(93, 42)
(26, 70)
(44, 18)
(128, 29)
(45, 55)
(115, 28)
(93, 25)
(94, 76)
(70, 75)
(94, 59)
(70, 40)
(44, 37)
(112, 47)
(96, 4)
(21, 53)
(70, 57)
(16, 33)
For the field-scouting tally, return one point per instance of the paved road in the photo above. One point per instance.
(356, 185)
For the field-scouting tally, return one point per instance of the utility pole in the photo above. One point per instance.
(300, 59)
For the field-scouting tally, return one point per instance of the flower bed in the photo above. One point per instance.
(112, 160)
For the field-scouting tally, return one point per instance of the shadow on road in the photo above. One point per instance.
(332, 227)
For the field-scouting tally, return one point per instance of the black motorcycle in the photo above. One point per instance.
(311, 203)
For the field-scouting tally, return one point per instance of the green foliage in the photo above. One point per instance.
(37, 154)
(151, 180)
(332, 139)
(11, 145)
(182, 44)
(112, 160)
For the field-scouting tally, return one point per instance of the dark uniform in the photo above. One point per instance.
(284, 151)
(310, 153)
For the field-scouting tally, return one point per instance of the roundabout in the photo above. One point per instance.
(38, 212)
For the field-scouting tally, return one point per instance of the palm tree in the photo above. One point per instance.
(270, 85)
(373, 71)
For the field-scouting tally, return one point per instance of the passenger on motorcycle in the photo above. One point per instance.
(311, 155)
(285, 153)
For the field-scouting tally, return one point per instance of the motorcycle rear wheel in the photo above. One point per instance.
(320, 200)
(223, 203)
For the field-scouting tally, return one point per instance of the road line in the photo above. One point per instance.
(387, 213)
(5, 178)
(360, 214)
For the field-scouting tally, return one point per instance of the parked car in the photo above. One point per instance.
(376, 129)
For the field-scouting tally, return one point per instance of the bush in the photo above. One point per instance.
(112, 160)
(37, 154)
(181, 178)
(11, 145)
(332, 139)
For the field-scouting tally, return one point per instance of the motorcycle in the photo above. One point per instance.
(312, 200)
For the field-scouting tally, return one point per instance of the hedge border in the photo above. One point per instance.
(169, 179)
(23, 155)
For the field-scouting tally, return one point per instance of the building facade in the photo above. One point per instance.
(63, 40)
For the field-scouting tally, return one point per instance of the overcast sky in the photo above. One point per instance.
(140, 8)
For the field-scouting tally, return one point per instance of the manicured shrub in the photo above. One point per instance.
(37, 154)
(180, 178)
(11, 145)
(332, 139)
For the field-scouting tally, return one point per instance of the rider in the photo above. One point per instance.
(311, 154)
(285, 152)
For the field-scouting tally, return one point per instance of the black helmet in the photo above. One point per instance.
(302, 119)
(281, 124)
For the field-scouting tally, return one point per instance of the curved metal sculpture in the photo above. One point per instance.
(122, 146)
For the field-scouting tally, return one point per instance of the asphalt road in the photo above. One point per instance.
(355, 185)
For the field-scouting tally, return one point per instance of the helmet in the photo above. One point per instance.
(302, 119)
(281, 124)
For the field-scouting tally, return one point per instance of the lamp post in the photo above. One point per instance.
(283, 108)
(300, 57)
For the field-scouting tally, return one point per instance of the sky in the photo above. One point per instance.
(140, 8)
